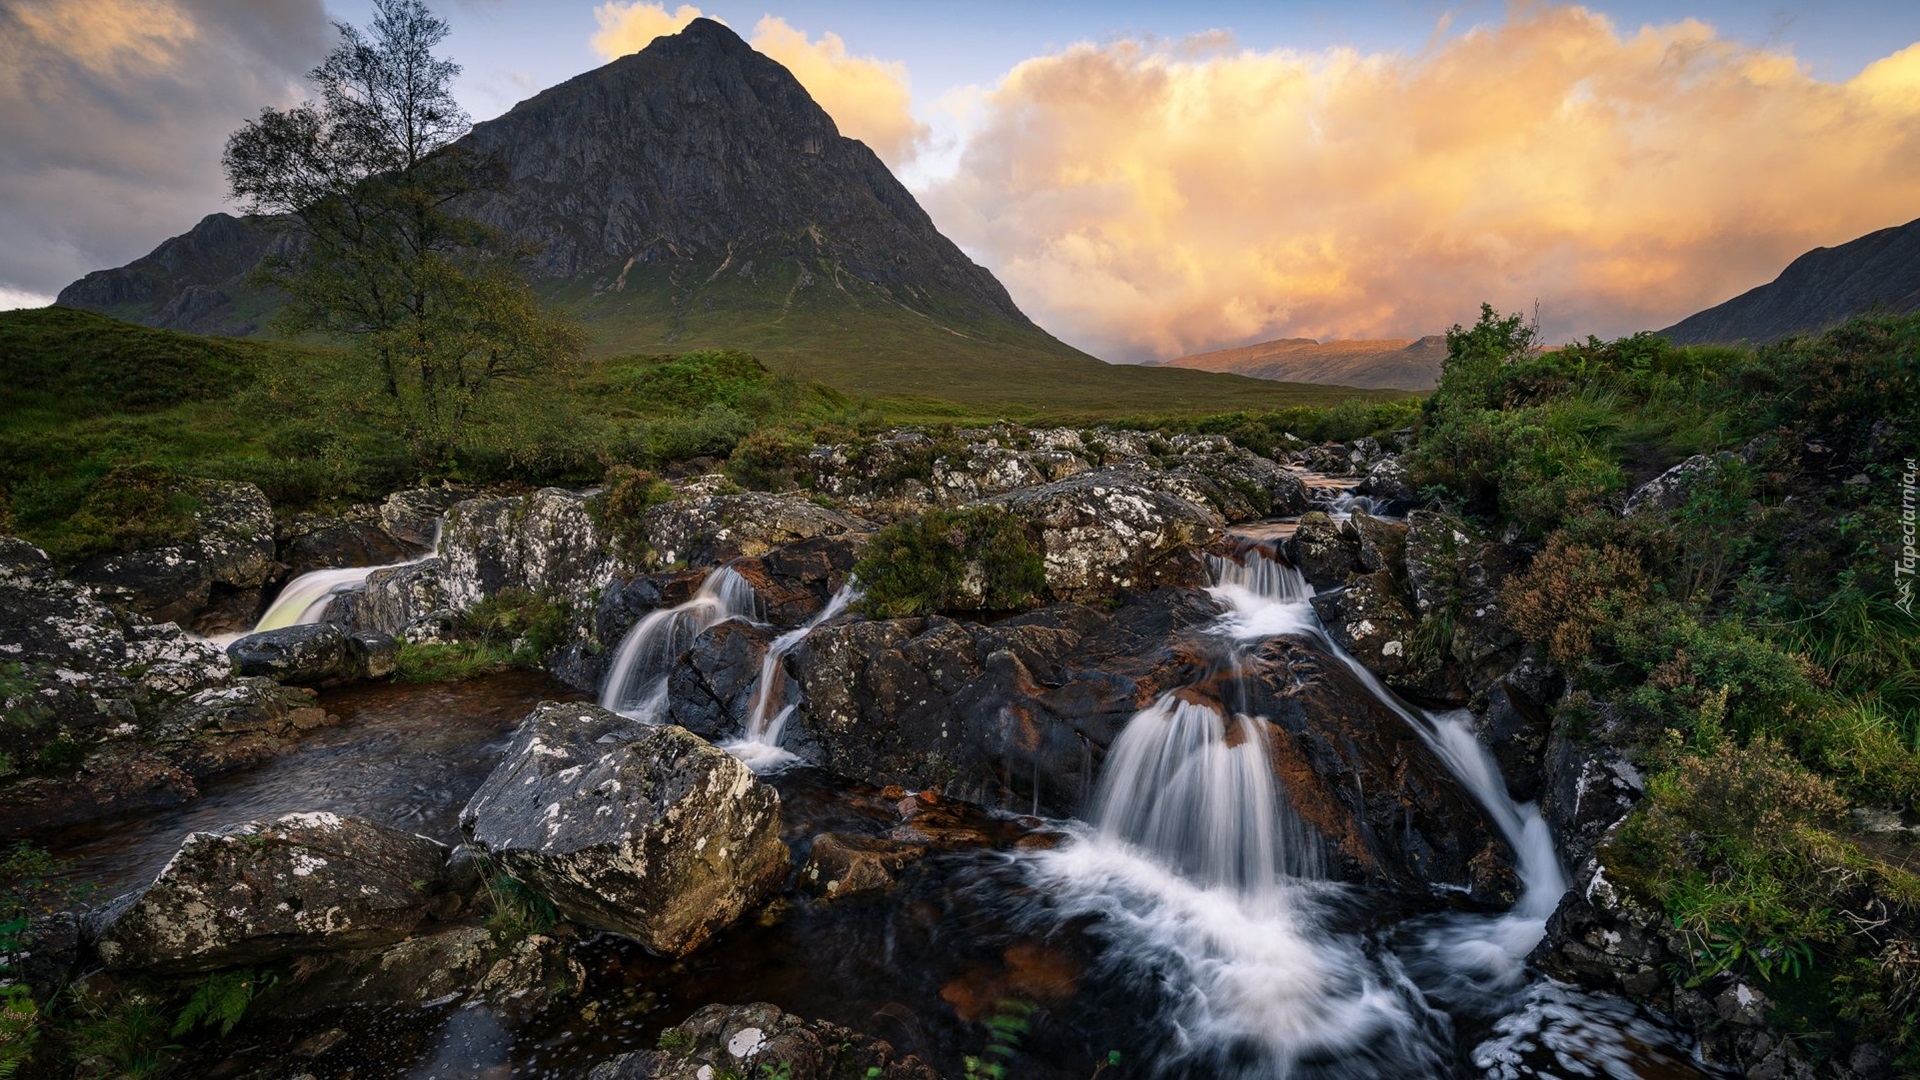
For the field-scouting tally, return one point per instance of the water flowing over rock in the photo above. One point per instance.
(1105, 531)
(645, 831)
(741, 1040)
(715, 528)
(638, 681)
(258, 892)
(307, 544)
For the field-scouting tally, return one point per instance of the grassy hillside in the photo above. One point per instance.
(90, 395)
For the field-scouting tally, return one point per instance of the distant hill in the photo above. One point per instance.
(1386, 364)
(694, 195)
(1823, 287)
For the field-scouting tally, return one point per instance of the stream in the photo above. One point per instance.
(1185, 923)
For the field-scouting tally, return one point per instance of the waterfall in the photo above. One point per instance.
(1198, 877)
(636, 683)
(306, 598)
(768, 713)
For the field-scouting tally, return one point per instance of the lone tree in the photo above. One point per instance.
(370, 177)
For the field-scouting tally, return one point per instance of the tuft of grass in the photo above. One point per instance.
(978, 558)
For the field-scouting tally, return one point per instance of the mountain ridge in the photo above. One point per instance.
(1822, 287)
(1383, 363)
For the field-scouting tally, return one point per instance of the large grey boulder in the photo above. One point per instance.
(550, 542)
(648, 832)
(715, 528)
(313, 653)
(1324, 552)
(1239, 484)
(408, 601)
(265, 890)
(1104, 531)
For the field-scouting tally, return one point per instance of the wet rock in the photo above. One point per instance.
(266, 890)
(1455, 574)
(307, 653)
(1356, 772)
(1370, 621)
(309, 544)
(1324, 552)
(583, 662)
(643, 831)
(1516, 724)
(408, 601)
(710, 692)
(1599, 936)
(1388, 478)
(374, 655)
(1379, 544)
(840, 866)
(165, 584)
(415, 516)
(1589, 784)
(715, 528)
(1103, 532)
(795, 582)
(227, 611)
(744, 1040)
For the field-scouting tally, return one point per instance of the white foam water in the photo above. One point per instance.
(767, 715)
(1199, 883)
(636, 683)
(306, 598)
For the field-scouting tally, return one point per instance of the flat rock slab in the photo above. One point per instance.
(649, 832)
(266, 890)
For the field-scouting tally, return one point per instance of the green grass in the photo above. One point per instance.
(313, 429)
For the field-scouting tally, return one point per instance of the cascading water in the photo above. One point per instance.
(768, 713)
(306, 598)
(636, 684)
(1201, 883)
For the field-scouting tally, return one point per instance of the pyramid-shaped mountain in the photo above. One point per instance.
(691, 194)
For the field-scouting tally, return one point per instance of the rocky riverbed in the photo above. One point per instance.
(499, 876)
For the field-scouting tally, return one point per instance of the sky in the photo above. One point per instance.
(1147, 179)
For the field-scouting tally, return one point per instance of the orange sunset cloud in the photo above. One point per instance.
(1143, 200)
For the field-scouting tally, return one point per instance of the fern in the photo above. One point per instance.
(221, 1002)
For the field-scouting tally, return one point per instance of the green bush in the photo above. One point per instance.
(627, 494)
(978, 559)
(769, 459)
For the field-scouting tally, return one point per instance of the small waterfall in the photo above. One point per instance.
(1342, 504)
(636, 683)
(306, 598)
(1194, 875)
(768, 714)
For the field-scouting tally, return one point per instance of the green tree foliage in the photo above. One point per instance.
(372, 179)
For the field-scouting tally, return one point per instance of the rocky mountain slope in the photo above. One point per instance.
(1823, 287)
(1383, 364)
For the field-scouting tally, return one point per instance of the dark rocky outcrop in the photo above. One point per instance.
(648, 832)
(230, 544)
(715, 528)
(309, 543)
(314, 654)
(743, 1040)
(1817, 290)
(258, 892)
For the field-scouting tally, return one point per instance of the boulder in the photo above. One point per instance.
(231, 544)
(1516, 723)
(415, 516)
(1389, 479)
(1238, 484)
(1379, 544)
(550, 542)
(1669, 491)
(1324, 551)
(795, 582)
(710, 692)
(759, 1039)
(1106, 531)
(1368, 619)
(266, 890)
(309, 544)
(648, 832)
(715, 528)
(407, 601)
(306, 653)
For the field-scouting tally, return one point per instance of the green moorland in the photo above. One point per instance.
(1747, 646)
(100, 414)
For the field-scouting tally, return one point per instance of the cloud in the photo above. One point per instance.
(869, 99)
(114, 112)
(1144, 201)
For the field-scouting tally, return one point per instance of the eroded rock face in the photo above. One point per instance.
(714, 528)
(1456, 572)
(1324, 552)
(270, 889)
(408, 601)
(1106, 531)
(231, 545)
(548, 542)
(308, 544)
(1368, 619)
(744, 1040)
(648, 832)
